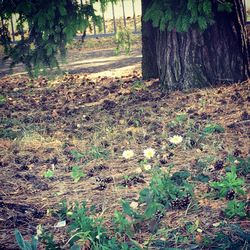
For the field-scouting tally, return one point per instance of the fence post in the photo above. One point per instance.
(134, 17)
(245, 10)
(124, 15)
(12, 28)
(114, 22)
(104, 26)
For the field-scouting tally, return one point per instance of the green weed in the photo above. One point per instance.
(49, 174)
(179, 120)
(164, 191)
(93, 153)
(98, 153)
(26, 245)
(213, 128)
(77, 156)
(138, 85)
(243, 165)
(123, 41)
(77, 173)
(228, 183)
(235, 208)
(3, 99)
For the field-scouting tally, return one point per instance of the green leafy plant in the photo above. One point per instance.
(235, 208)
(26, 245)
(243, 165)
(121, 222)
(123, 226)
(2, 99)
(192, 226)
(98, 153)
(228, 183)
(93, 153)
(49, 174)
(62, 210)
(138, 85)
(163, 190)
(47, 238)
(180, 177)
(77, 156)
(201, 177)
(179, 119)
(213, 128)
(123, 41)
(77, 173)
(84, 227)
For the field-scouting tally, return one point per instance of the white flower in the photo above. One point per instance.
(149, 153)
(134, 204)
(147, 167)
(176, 139)
(127, 154)
(236, 162)
(216, 224)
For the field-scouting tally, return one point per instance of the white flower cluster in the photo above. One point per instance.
(148, 153)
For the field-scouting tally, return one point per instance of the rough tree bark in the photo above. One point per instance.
(149, 62)
(196, 59)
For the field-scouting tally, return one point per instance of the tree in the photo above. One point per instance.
(197, 43)
(49, 24)
(186, 43)
(149, 62)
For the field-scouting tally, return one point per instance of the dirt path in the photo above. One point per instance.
(96, 62)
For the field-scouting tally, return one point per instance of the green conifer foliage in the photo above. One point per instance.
(45, 28)
(182, 14)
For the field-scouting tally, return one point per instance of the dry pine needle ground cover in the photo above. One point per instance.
(78, 122)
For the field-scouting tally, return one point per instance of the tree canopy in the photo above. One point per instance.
(181, 15)
(49, 24)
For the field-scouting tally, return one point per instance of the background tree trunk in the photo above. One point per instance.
(149, 62)
(196, 59)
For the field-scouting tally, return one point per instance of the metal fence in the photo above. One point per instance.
(125, 13)
(246, 5)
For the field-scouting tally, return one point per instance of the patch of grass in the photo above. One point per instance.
(10, 134)
(34, 140)
(3, 99)
(94, 153)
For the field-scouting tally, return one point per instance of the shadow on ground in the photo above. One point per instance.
(80, 61)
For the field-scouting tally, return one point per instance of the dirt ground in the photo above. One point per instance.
(95, 61)
(87, 118)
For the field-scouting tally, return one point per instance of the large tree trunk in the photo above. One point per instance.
(197, 59)
(149, 62)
